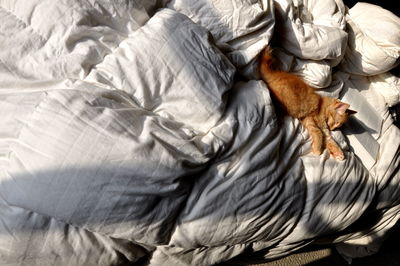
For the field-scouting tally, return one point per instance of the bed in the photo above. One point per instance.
(140, 131)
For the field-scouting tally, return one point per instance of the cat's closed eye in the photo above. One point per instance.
(339, 115)
(336, 120)
(332, 121)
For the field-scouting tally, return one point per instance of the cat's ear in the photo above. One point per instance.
(351, 112)
(341, 108)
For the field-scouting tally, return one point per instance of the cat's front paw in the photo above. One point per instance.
(338, 155)
(335, 151)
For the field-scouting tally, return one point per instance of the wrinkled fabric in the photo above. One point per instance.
(173, 66)
(241, 28)
(310, 29)
(374, 40)
(137, 130)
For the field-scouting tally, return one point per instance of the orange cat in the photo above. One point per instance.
(318, 114)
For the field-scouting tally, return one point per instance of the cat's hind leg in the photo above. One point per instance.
(316, 134)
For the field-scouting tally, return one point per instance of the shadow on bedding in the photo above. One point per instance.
(59, 207)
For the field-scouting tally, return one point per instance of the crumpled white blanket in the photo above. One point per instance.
(138, 129)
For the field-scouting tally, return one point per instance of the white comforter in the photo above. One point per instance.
(125, 131)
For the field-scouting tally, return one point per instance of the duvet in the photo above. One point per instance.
(139, 131)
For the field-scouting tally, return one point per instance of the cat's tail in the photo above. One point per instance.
(265, 66)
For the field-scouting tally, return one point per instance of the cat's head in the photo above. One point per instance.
(337, 114)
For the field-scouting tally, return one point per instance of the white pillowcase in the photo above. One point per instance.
(374, 48)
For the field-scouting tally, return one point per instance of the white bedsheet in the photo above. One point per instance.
(126, 133)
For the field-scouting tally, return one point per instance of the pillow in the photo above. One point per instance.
(374, 48)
